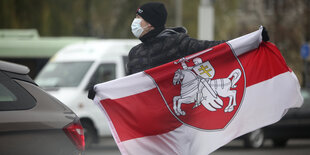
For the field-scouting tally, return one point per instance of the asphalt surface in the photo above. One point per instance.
(107, 146)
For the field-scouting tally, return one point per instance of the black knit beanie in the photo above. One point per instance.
(153, 12)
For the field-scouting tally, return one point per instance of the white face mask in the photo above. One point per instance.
(136, 28)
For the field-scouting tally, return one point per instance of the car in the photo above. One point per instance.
(75, 68)
(295, 124)
(32, 121)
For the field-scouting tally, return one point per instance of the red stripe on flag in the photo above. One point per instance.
(263, 63)
(140, 115)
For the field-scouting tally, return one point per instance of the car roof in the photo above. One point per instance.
(15, 68)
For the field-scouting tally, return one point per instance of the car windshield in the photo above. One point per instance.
(62, 74)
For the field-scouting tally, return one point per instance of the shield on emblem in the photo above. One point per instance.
(205, 70)
(189, 99)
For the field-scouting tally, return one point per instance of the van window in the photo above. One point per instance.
(125, 61)
(104, 73)
(63, 74)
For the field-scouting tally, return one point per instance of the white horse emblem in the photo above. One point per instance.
(202, 89)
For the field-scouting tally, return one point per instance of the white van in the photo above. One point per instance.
(72, 70)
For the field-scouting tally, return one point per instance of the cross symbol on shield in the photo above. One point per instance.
(205, 70)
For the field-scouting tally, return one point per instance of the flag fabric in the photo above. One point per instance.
(199, 103)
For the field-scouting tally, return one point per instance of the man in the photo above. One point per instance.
(160, 45)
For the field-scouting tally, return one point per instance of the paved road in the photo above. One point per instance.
(295, 147)
(106, 146)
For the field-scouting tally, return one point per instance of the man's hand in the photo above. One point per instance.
(91, 93)
(265, 34)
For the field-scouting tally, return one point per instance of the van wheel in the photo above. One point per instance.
(254, 139)
(89, 133)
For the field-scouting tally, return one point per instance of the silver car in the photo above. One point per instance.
(33, 122)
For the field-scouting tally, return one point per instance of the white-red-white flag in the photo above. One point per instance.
(197, 104)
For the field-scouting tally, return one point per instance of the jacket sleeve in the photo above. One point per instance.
(190, 45)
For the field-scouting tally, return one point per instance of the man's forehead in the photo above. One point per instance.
(138, 16)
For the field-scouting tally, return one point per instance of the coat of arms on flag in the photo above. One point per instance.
(204, 88)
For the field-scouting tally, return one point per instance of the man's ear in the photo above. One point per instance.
(151, 27)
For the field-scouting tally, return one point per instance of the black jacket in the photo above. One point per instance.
(168, 45)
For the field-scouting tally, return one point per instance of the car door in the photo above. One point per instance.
(99, 126)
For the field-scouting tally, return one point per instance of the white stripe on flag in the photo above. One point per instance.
(111, 89)
(247, 42)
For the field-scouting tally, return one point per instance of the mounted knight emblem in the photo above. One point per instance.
(198, 86)
(204, 90)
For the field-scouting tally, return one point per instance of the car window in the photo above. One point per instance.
(305, 94)
(6, 94)
(13, 96)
